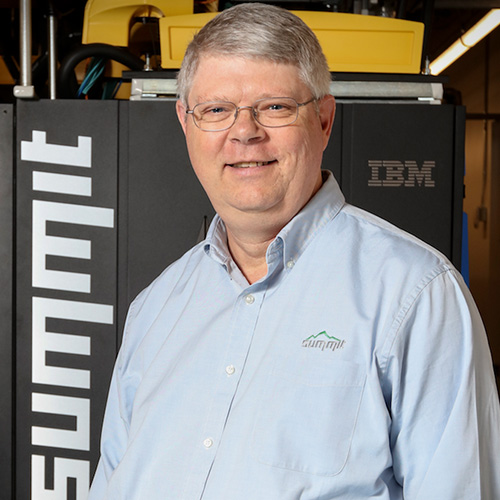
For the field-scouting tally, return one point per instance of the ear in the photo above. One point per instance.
(181, 115)
(326, 116)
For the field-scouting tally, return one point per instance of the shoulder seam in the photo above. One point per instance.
(406, 307)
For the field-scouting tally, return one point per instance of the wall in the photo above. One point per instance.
(477, 77)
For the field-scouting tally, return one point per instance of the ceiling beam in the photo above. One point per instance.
(467, 4)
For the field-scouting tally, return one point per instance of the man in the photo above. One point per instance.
(306, 349)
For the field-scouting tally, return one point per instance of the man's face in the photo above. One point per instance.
(250, 170)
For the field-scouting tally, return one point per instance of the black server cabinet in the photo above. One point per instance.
(66, 289)
(406, 164)
(105, 200)
(6, 295)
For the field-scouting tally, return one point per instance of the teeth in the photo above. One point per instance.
(250, 164)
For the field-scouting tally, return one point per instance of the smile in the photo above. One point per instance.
(250, 164)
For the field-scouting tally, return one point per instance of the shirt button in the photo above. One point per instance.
(230, 369)
(208, 442)
(290, 264)
(249, 299)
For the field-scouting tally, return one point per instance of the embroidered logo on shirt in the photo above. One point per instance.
(323, 341)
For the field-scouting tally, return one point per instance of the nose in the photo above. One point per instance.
(246, 129)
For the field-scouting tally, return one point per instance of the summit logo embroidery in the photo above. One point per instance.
(323, 341)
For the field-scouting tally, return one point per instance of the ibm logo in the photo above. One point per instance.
(394, 173)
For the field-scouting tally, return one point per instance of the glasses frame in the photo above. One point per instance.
(251, 108)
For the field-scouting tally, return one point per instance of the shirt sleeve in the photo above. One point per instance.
(116, 424)
(124, 382)
(114, 439)
(445, 433)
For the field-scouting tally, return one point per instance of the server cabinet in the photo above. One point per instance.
(66, 336)
(406, 163)
(6, 297)
(106, 199)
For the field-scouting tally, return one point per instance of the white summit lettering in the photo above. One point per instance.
(47, 310)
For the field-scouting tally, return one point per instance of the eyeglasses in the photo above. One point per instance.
(271, 112)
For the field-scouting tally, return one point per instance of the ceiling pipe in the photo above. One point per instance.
(401, 9)
(467, 4)
(428, 10)
(52, 50)
(25, 90)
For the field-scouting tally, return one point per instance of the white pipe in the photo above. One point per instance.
(52, 55)
(25, 89)
(25, 41)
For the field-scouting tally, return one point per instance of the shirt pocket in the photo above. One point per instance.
(307, 420)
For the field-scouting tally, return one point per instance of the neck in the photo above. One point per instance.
(249, 234)
(249, 251)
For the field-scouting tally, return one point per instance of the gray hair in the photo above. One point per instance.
(255, 30)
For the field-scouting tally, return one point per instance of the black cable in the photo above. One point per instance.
(66, 80)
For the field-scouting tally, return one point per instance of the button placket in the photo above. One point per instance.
(240, 332)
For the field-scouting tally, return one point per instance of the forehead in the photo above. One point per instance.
(234, 78)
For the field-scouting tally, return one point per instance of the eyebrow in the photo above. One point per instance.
(215, 98)
(220, 98)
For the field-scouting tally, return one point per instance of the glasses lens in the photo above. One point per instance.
(214, 115)
(276, 111)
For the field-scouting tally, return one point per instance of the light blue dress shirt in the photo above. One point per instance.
(357, 368)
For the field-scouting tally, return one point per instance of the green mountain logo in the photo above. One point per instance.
(322, 333)
(323, 341)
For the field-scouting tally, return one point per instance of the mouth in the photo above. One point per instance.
(250, 164)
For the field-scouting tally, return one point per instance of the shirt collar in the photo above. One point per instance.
(293, 239)
(301, 230)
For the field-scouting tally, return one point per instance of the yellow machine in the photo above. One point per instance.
(351, 42)
(114, 21)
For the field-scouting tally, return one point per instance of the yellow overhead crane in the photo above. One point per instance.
(351, 42)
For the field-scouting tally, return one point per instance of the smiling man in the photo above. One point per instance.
(306, 349)
(264, 166)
